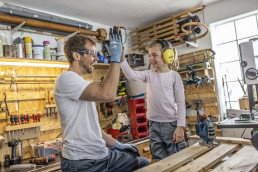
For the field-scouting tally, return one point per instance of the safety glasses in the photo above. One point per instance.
(92, 53)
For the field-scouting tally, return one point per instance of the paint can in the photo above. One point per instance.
(38, 51)
(9, 51)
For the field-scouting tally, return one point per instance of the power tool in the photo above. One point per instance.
(43, 160)
(15, 159)
(206, 131)
(39, 161)
(7, 160)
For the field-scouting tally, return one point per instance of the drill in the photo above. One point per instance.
(15, 159)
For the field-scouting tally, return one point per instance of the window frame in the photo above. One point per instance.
(218, 75)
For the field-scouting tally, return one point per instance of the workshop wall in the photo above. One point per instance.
(205, 92)
(27, 95)
(216, 12)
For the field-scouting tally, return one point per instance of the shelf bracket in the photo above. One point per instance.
(68, 36)
(15, 30)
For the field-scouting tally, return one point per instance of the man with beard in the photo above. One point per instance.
(84, 143)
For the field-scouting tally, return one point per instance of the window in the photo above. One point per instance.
(226, 36)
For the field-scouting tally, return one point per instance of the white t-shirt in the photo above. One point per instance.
(82, 138)
(165, 94)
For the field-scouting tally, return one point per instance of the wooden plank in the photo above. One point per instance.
(22, 126)
(156, 37)
(227, 140)
(209, 159)
(176, 160)
(245, 159)
(182, 14)
(50, 126)
(154, 32)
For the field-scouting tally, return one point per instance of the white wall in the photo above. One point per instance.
(219, 11)
(39, 38)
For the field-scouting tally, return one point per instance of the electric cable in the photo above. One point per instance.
(243, 133)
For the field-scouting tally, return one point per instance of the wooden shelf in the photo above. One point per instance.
(198, 69)
(50, 126)
(43, 61)
(101, 66)
(22, 126)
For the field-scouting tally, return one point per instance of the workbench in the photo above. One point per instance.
(142, 144)
(51, 166)
(232, 154)
(232, 123)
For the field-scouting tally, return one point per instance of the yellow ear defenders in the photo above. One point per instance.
(168, 53)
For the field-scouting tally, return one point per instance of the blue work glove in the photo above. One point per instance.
(115, 48)
(127, 147)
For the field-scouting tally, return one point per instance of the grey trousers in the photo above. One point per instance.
(162, 144)
(116, 161)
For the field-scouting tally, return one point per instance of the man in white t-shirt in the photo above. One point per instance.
(85, 145)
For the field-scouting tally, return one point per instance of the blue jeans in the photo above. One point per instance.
(116, 161)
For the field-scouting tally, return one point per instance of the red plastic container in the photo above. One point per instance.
(141, 121)
(115, 132)
(136, 103)
(140, 132)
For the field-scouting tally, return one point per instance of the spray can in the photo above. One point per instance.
(47, 54)
(28, 47)
(38, 51)
(20, 50)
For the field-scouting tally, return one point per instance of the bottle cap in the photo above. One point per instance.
(46, 43)
(27, 39)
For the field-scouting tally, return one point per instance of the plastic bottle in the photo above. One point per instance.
(28, 47)
(60, 49)
(38, 51)
(47, 54)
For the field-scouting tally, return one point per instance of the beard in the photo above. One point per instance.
(85, 69)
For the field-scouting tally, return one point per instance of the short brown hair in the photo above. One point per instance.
(76, 43)
(156, 42)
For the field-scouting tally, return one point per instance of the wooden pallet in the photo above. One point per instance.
(233, 154)
(167, 29)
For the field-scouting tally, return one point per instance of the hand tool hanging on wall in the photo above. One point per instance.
(196, 79)
(38, 116)
(107, 109)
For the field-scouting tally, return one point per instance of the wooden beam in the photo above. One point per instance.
(244, 160)
(210, 159)
(176, 160)
(22, 126)
(226, 140)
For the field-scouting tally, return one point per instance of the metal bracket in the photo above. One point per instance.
(68, 36)
(193, 43)
(15, 30)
